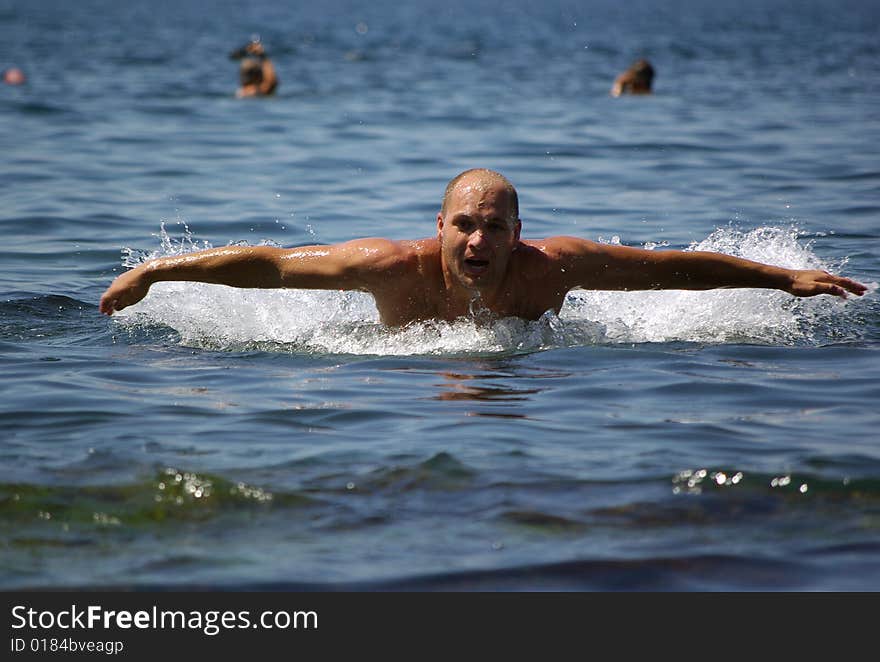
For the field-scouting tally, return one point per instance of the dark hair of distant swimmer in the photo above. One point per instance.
(635, 80)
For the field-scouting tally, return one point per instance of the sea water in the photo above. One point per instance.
(208, 436)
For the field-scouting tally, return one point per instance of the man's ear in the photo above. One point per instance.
(517, 229)
(439, 226)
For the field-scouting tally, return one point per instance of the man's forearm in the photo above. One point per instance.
(236, 266)
(625, 268)
(704, 271)
(243, 266)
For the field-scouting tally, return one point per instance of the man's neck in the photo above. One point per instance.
(461, 301)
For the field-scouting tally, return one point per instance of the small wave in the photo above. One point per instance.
(171, 494)
(217, 317)
(42, 305)
(44, 108)
(41, 316)
(692, 573)
(440, 472)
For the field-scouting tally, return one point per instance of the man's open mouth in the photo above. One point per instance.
(474, 265)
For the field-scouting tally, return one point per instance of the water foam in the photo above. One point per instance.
(335, 322)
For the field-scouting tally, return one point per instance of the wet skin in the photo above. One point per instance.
(476, 263)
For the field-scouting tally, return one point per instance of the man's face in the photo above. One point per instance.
(477, 234)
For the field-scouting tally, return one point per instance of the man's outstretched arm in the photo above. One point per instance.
(349, 266)
(603, 267)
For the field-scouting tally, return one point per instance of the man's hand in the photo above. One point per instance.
(810, 282)
(126, 290)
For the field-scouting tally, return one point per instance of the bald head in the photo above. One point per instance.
(483, 178)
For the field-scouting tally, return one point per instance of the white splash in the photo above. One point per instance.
(314, 321)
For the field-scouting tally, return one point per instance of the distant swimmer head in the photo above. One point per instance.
(14, 76)
(635, 80)
(253, 48)
(251, 72)
(643, 73)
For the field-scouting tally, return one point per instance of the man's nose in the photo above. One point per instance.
(477, 238)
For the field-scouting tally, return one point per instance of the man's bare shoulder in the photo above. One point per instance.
(427, 246)
(389, 257)
(561, 262)
(562, 247)
(420, 257)
(391, 245)
(538, 259)
(390, 248)
(403, 276)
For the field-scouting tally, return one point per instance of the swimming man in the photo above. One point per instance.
(476, 262)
